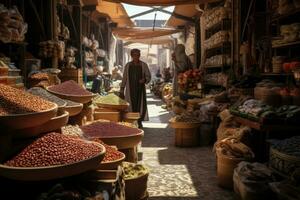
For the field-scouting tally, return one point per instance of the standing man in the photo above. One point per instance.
(136, 74)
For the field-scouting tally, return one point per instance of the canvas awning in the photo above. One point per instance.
(142, 33)
(116, 12)
(155, 40)
(155, 2)
(185, 10)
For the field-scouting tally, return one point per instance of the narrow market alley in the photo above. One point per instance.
(176, 173)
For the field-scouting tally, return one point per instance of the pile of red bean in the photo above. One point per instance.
(111, 153)
(55, 149)
(108, 129)
(69, 88)
(15, 101)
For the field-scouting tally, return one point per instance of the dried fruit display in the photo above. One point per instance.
(15, 101)
(55, 149)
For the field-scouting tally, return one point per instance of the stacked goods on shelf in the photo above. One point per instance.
(230, 152)
(285, 155)
(62, 30)
(13, 27)
(286, 6)
(52, 48)
(251, 180)
(277, 63)
(217, 38)
(9, 74)
(289, 33)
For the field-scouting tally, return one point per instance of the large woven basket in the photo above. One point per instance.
(282, 163)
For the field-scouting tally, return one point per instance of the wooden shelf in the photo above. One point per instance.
(280, 17)
(286, 44)
(219, 45)
(276, 74)
(224, 24)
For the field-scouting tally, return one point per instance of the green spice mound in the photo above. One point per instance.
(132, 170)
(110, 99)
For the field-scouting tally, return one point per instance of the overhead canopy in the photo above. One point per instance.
(156, 2)
(155, 40)
(185, 10)
(142, 33)
(116, 12)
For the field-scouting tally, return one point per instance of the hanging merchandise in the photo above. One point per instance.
(13, 28)
(51, 48)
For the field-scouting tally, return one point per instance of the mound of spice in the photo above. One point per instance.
(71, 103)
(70, 88)
(55, 149)
(110, 99)
(46, 95)
(15, 101)
(133, 170)
(112, 154)
(107, 130)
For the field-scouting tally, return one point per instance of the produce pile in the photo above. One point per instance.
(233, 148)
(251, 180)
(132, 170)
(112, 154)
(55, 149)
(108, 130)
(188, 117)
(110, 99)
(257, 109)
(70, 88)
(39, 79)
(15, 101)
(13, 27)
(46, 95)
(288, 146)
(189, 80)
(72, 130)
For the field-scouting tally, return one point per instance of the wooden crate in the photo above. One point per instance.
(111, 116)
(71, 74)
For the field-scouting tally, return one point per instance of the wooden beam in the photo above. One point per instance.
(143, 13)
(179, 16)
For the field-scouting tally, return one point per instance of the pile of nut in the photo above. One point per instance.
(15, 101)
(55, 149)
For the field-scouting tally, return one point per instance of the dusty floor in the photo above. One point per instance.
(177, 173)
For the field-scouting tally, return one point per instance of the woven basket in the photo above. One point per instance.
(282, 163)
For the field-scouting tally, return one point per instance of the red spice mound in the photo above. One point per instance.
(111, 153)
(15, 101)
(70, 88)
(55, 149)
(108, 129)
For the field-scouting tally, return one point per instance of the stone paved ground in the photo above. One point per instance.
(177, 173)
